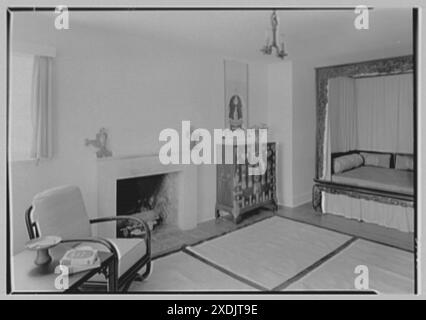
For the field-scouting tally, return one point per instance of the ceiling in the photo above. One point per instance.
(241, 33)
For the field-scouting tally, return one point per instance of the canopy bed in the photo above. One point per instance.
(365, 162)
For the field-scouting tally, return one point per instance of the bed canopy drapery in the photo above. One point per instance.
(325, 75)
(373, 113)
(342, 120)
(366, 107)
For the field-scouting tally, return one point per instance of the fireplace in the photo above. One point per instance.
(150, 198)
(111, 171)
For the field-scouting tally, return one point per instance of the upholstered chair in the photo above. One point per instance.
(61, 212)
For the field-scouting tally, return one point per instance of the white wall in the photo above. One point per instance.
(280, 120)
(304, 124)
(134, 88)
(258, 93)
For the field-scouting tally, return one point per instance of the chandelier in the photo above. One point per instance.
(279, 48)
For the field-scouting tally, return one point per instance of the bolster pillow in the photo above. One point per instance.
(347, 162)
(376, 159)
(404, 162)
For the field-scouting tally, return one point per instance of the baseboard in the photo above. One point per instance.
(297, 201)
(303, 198)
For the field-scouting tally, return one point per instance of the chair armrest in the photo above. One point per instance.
(140, 222)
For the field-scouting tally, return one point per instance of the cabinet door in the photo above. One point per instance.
(225, 184)
(271, 171)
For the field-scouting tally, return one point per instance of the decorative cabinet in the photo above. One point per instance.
(237, 192)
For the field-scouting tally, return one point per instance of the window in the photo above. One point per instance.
(20, 121)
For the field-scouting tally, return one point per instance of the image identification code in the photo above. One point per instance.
(214, 309)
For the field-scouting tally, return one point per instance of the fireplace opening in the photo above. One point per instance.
(149, 198)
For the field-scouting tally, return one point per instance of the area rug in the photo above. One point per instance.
(269, 252)
(181, 272)
(390, 270)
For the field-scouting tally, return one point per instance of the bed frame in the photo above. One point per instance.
(374, 68)
(388, 197)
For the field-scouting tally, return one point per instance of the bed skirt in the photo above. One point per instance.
(388, 215)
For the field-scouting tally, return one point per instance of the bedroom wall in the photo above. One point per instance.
(280, 120)
(304, 124)
(105, 79)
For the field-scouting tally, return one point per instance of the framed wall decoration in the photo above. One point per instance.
(236, 94)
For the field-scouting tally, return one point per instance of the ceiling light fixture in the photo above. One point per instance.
(279, 49)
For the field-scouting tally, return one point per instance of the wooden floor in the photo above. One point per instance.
(170, 238)
(363, 230)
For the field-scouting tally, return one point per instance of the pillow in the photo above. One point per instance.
(347, 162)
(404, 162)
(376, 159)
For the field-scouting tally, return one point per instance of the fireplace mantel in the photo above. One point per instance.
(109, 170)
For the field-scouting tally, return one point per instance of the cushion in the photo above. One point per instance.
(130, 250)
(347, 162)
(376, 159)
(404, 162)
(61, 212)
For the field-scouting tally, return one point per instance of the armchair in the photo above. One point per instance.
(61, 211)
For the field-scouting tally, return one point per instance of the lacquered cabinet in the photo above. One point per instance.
(237, 192)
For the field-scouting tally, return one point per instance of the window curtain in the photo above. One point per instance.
(385, 113)
(343, 129)
(41, 101)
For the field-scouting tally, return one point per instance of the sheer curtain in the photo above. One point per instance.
(385, 113)
(342, 117)
(41, 146)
